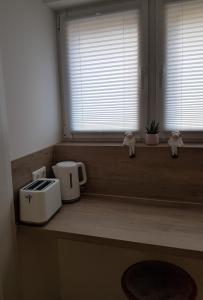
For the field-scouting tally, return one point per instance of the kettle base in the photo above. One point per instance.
(70, 201)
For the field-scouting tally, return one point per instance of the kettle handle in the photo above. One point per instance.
(84, 174)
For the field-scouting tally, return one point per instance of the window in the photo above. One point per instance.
(183, 92)
(104, 70)
(126, 62)
(103, 55)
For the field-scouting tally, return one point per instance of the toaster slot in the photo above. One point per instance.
(32, 186)
(38, 185)
(43, 185)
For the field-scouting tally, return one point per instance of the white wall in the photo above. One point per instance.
(27, 39)
(8, 282)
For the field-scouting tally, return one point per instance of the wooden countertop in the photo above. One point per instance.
(127, 221)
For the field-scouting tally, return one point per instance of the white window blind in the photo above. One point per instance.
(184, 66)
(103, 66)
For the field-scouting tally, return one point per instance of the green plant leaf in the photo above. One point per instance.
(153, 127)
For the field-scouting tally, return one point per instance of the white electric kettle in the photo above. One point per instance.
(68, 174)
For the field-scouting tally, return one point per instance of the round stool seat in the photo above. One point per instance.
(156, 280)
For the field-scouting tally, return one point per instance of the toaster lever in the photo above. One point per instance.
(29, 197)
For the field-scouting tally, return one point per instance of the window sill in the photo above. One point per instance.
(119, 144)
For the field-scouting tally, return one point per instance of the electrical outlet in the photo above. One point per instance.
(40, 173)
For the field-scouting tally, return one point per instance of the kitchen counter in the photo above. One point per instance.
(129, 222)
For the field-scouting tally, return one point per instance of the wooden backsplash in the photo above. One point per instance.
(151, 174)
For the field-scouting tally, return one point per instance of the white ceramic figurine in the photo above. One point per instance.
(175, 141)
(130, 141)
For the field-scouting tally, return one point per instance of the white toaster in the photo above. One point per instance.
(40, 200)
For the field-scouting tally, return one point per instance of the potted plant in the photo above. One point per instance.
(152, 133)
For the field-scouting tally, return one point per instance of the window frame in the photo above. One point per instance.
(151, 70)
(88, 10)
(189, 136)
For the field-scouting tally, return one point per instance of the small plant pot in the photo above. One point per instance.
(152, 139)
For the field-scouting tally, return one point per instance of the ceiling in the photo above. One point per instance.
(58, 4)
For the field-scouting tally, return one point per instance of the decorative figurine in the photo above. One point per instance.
(130, 141)
(175, 141)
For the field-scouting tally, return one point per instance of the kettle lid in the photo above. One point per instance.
(65, 164)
